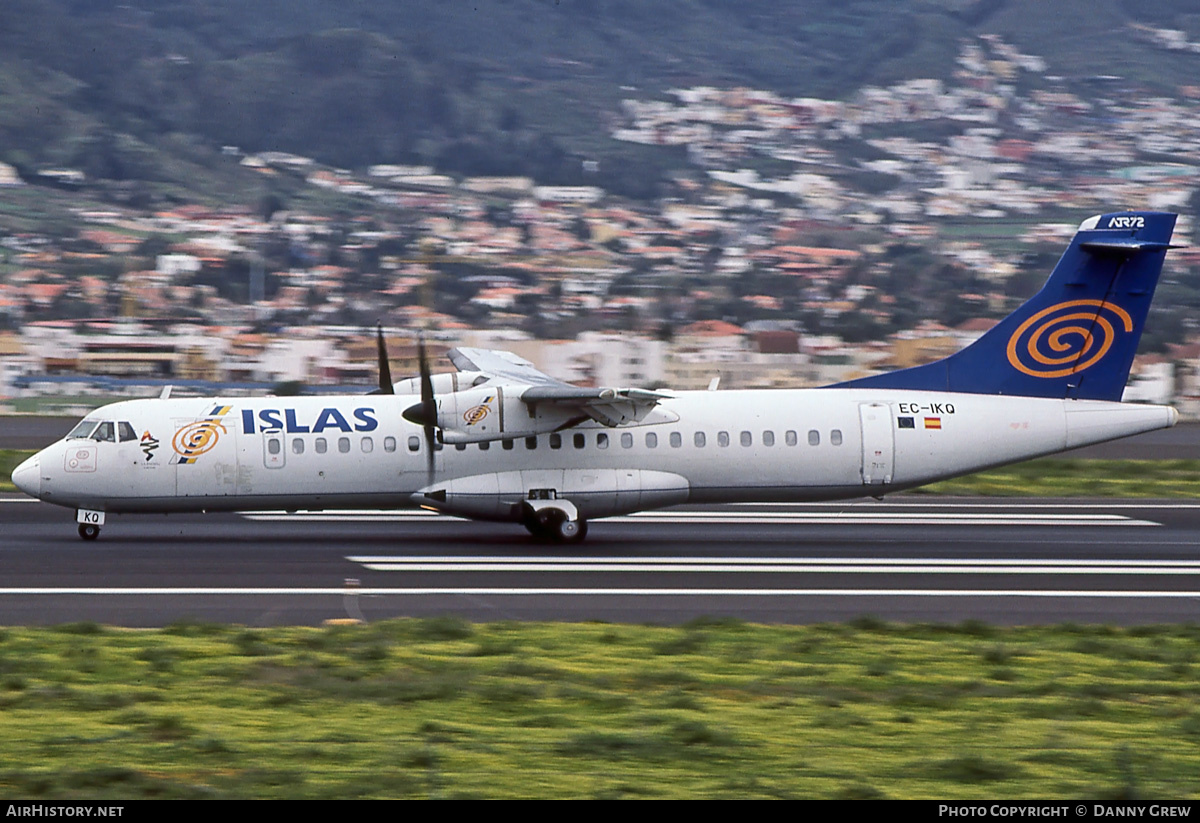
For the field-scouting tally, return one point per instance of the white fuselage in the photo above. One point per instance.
(193, 454)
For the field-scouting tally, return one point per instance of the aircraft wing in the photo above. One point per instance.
(609, 406)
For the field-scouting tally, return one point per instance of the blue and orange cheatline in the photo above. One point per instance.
(1066, 338)
(198, 438)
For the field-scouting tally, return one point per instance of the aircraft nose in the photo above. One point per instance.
(28, 477)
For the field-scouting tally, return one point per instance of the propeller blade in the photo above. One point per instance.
(428, 405)
(385, 369)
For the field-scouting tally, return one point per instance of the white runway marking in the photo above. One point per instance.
(741, 517)
(765, 565)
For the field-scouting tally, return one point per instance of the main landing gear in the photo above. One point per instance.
(553, 519)
(553, 526)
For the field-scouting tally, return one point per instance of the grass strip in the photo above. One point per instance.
(440, 707)
(1079, 477)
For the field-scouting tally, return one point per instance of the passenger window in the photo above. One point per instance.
(626, 440)
(651, 440)
(414, 443)
(321, 445)
(698, 439)
(104, 433)
(747, 439)
(368, 445)
(579, 440)
(835, 437)
(768, 438)
(344, 445)
(722, 439)
(676, 440)
(389, 444)
(297, 445)
(602, 441)
(273, 446)
(790, 438)
(126, 432)
(814, 437)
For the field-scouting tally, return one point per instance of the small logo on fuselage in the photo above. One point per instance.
(476, 413)
(149, 444)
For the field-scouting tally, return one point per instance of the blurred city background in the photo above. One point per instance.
(228, 197)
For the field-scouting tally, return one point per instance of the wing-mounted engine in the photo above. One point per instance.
(495, 413)
(445, 383)
(497, 395)
(510, 411)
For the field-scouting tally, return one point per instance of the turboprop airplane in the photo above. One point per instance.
(499, 440)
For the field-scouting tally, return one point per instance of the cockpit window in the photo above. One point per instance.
(126, 432)
(105, 433)
(84, 429)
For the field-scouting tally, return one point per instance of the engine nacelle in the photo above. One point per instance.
(494, 413)
(445, 383)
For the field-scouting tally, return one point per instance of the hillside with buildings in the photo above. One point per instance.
(790, 238)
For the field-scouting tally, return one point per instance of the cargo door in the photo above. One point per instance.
(878, 443)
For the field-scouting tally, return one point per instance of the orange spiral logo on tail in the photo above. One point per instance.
(1066, 338)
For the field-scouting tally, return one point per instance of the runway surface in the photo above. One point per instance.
(910, 558)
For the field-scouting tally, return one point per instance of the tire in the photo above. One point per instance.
(570, 531)
(552, 525)
(89, 531)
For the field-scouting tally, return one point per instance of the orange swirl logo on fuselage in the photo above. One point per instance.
(1066, 338)
(197, 438)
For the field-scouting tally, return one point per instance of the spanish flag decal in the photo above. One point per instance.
(933, 422)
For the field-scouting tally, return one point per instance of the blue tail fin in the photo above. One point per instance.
(1077, 336)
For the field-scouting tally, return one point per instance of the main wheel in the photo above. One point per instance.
(89, 531)
(570, 531)
(553, 525)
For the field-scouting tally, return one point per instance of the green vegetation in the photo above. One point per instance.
(443, 708)
(9, 460)
(1077, 477)
(151, 94)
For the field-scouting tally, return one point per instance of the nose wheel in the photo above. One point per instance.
(89, 531)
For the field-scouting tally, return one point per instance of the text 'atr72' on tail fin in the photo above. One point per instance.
(1077, 336)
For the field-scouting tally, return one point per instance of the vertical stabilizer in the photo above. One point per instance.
(1077, 336)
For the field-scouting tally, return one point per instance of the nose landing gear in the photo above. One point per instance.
(89, 523)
